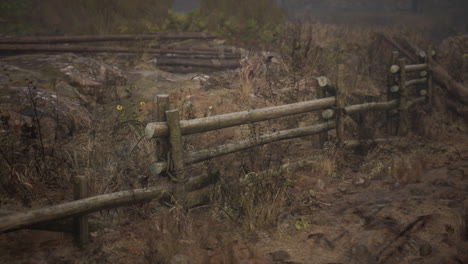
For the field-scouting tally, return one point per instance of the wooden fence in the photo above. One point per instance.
(404, 91)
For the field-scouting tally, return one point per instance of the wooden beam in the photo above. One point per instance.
(353, 109)
(79, 207)
(160, 129)
(415, 67)
(206, 154)
(416, 81)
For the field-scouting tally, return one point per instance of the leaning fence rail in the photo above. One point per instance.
(168, 131)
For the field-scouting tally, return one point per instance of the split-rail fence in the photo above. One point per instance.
(168, 131)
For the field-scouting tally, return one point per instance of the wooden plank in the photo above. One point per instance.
(206, 154)
(160, 129)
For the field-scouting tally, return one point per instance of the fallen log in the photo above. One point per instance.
(456, 89)
(100, 38)
(90, 49)
(159, 129)
(199, 156)
(212, 63)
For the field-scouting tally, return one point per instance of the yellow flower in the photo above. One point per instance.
(119, 107)
(142, 103)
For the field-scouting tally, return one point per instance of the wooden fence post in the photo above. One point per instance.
(162, 144)
(175, 139)
(391, 94)
(80, 222)
(403, 122)
(322, 93)
(429, 75)
(340, 105)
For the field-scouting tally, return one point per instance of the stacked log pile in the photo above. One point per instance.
(215, 57)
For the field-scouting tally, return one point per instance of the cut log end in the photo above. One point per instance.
(394, 68)
(328, 114)
(323, 81)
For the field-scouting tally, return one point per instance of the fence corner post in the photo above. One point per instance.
(340, 106)
(81, 228)
(430, 84)
(403, 121)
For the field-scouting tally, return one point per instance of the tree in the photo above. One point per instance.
(100, 16)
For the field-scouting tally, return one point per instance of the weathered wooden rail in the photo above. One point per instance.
(168, 131)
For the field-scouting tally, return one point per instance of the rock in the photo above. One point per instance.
(280, 256)
(359, 181)
(319, 185)
(68, 75)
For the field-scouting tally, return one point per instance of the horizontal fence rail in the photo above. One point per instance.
(160, 129)
(206, 154)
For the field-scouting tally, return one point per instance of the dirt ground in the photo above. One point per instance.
(354, 217)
